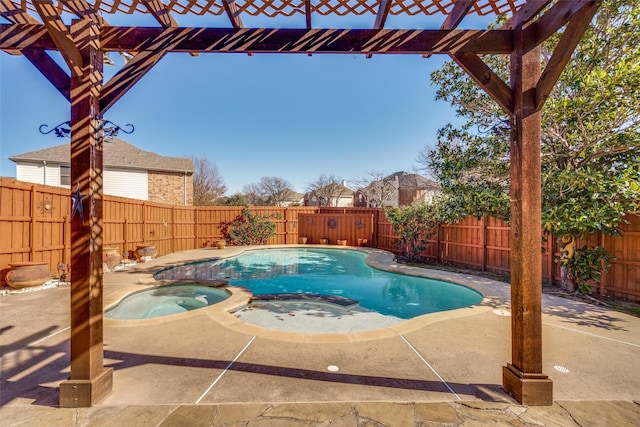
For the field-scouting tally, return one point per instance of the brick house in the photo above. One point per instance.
(128, 172)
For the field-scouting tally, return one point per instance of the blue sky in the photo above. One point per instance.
(292, 116)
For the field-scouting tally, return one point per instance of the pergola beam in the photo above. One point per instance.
(60, 36)
(457, 14)
(272, 40)
(231, 8)
(50, 69)
(486, 79)
(383, 11)
(307, 13)
(160, 12)
(14, 14)
(381, 17)
(453, 19)
(578, 24)
(82, 9)
(527, 12)
(557, 17)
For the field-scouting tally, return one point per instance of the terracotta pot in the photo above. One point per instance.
(111, 257)
(146, 252)
(324, 241)
(362, 242)
(341, 242)
(302, 240)
(221, 244)
(28, 274)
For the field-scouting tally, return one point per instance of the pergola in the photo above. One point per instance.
(37, 26)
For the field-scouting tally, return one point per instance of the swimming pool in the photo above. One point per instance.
(334, 272)
(164, 301)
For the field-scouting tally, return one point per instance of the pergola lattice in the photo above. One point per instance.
(37, 26)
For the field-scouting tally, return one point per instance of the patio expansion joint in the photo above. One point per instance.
(225, 370)
(430, 367)
(591, 334)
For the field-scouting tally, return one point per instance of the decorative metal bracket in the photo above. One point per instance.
(62, 130)
(503, 127)
(107, 130)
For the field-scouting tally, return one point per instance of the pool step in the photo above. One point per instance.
(331, 299)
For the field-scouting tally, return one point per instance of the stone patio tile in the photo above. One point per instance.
(603, 413)
(387, 413)
(441, 413)
(130, 416)
(36, 416)
(229, 414)
(313, 412)
(492, 415)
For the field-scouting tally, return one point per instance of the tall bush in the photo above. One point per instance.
(249, 228)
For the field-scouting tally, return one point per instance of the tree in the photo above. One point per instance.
(275, 190)
(590, 137)
(270, 191)
(208, 184)
(252, 194)
(377, 187)
(235, 199)
(327, 190)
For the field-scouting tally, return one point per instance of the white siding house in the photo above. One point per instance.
(127, 172)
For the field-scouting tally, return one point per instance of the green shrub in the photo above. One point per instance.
(586, 266)
(249, 228)
(415, 224)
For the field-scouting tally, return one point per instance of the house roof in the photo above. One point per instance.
(413, 181)
(117, 154)
(338, 190)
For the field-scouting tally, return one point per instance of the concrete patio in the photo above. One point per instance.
(207, 367)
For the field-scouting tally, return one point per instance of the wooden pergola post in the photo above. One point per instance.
(90, 380)
(523, 377)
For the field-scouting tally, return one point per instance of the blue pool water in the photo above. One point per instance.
(331, 272)
(164, 301)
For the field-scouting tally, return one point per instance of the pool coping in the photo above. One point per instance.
(223, 312)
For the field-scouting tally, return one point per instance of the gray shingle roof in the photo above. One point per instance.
(413, 181)
(117, 154)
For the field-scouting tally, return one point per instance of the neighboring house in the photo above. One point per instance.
(398, 189)
(127, 172)
(337, 195)
(292, 198)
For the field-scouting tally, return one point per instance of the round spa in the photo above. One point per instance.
(165, 300)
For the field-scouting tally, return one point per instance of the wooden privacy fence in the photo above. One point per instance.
(35, 225)
(484, 244)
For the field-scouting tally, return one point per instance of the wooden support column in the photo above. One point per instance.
(90, 380)
(523, 378)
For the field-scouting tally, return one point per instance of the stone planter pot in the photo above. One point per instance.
(302, 240)
(324, 241)
(341, 242)
(221, 244)
(28, 274)
(111, 257)
(145, 253)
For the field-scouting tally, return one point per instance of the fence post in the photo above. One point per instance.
(32, 225)
(65, 235)
(439, 229)
(173, 229)
(483, 225)
(195, 227)
(144, 222)
(125, 236)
